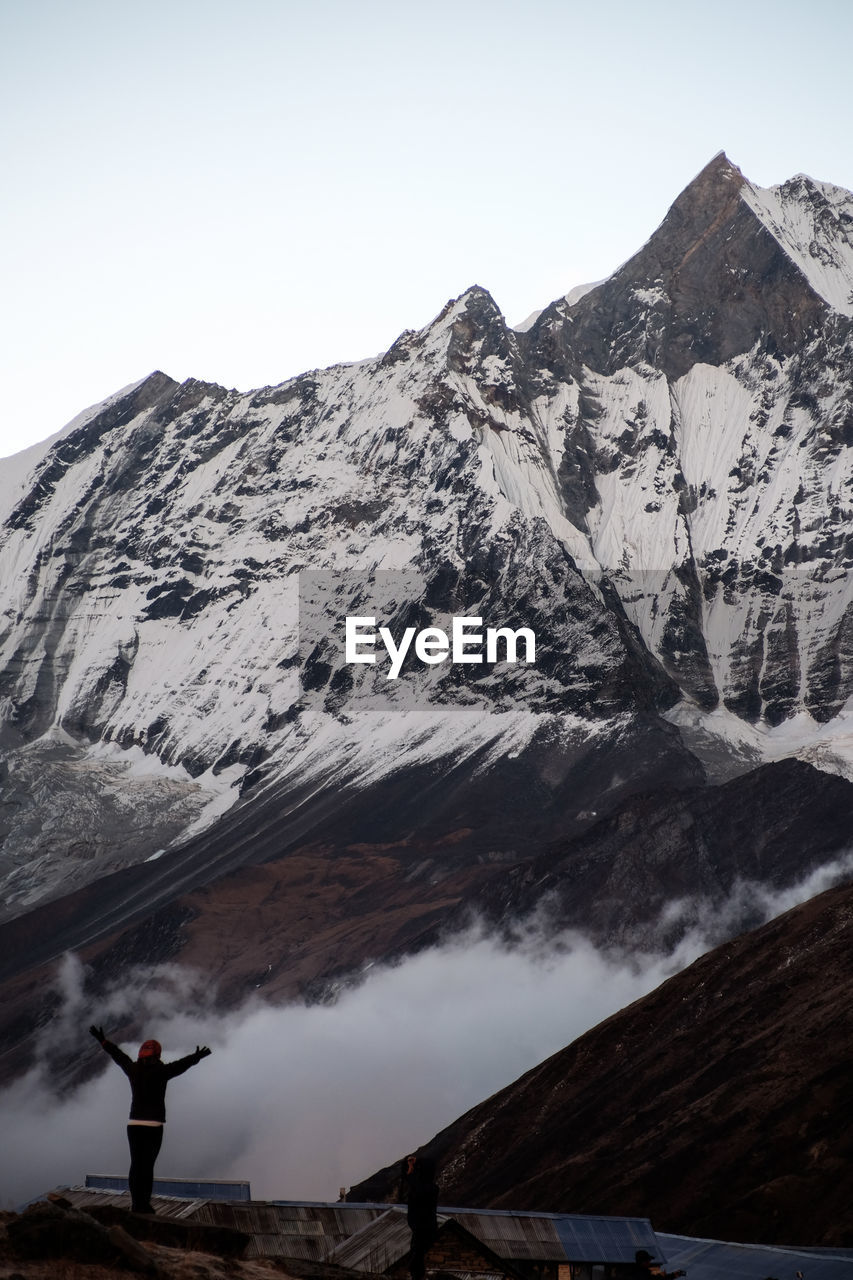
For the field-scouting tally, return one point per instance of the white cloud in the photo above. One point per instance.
(303, 1100)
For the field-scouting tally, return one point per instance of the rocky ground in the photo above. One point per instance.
(51, 1240)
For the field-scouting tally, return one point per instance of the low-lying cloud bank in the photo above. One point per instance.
(304, 1100)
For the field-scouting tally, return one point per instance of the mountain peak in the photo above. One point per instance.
(708, 199)
(720, 167)
(731, 264)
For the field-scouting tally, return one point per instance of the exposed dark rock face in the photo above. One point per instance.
(718, 1105)
(665, 863)
(721, 283)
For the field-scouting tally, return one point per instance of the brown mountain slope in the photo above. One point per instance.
(719, 1105)
(294, 920)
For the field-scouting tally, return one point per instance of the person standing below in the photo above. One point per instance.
(648, 1268)
(148, 1078)
(421, 1215)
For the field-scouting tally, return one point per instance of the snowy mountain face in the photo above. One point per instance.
(709, 455)
(655, 476)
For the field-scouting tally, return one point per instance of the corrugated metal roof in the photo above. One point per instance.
(830, 1251)
(718, 1260)
(521, 1239)
(360, 1235)
(306, 1231)
(165, 1206)
(473, 1275)
(273, 1246)
(378, 1245)
(613, 1240)
(559, 1237)
(522, 1234)
(317, 1232)
(185, 1188)
(386, 1240)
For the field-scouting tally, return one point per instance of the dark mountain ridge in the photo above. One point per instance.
(718, 1104)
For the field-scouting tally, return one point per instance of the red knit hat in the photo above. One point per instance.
(150, 1049)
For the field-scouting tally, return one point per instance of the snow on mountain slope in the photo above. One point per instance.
(721, 510)
(708, 452)
(16, 469)
(656, 476)
(813, 221)
(151, 577)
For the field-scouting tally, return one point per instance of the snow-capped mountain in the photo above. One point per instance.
(655, 475)
(709, 452)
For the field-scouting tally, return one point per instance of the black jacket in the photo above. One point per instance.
(422, 1199)
(148, 1079)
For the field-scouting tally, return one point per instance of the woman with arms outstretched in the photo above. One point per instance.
(148, 1078)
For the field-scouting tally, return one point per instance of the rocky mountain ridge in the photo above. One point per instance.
(717, 1104)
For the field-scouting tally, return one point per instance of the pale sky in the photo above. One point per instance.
(241, 192)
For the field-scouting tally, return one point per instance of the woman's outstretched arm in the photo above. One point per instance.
(183, 1064)
(118, 1055)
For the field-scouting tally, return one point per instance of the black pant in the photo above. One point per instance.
(422, 1241)
(144, 1142)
